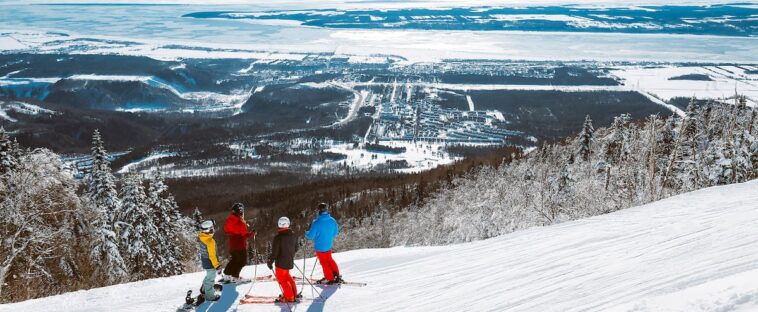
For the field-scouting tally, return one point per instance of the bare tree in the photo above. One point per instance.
(36, 206)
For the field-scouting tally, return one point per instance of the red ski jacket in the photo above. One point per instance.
(237, 231)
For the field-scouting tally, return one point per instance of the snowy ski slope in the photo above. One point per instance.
(694, 252)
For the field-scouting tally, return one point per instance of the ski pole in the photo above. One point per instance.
(303, 244)
(255, 267)
(313, 269)
(282, 289)
(309, 283)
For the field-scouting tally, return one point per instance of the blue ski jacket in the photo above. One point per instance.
(322, 232)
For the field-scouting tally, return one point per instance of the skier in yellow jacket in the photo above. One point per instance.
(209, 260)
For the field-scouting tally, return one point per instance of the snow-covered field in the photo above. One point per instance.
(693, 252)
(724, 81)
(420, 156)
(150, 159)
(22, 108)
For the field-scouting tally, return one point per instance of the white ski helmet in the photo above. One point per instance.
(284, 222)
(207, 226)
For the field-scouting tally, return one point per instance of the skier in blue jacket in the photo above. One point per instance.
(322, 233)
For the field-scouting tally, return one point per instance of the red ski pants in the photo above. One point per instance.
(288, 284)
(328, 265)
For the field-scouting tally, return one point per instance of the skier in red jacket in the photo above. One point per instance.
(237, 231)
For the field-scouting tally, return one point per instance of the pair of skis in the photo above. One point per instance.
(343, 283)
(254, 299)
(265, 278)
(270, 278)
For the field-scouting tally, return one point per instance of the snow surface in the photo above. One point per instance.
(21, 108)
(420, 156)
(146, 160)
(726, 80)
(693, 252)
(9, 43)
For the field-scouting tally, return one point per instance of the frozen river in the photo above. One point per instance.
(157, 30)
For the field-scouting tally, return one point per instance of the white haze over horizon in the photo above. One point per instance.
(373, 4)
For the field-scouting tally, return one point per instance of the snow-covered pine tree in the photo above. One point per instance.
(17, 151)
(8, 153)
(685, 168)
(172, 227)
(615, 144)
(752, 140)
(651, 136)
(565, 190)
(586, 137)
(138, 232)
(103, 199)
(197, 217)
(742, 165)
(741, 102)
(690, 124)
(667, 142)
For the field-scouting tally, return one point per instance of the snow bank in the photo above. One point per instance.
(693, 252)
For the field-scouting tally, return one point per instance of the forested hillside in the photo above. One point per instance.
(60, 234)
(596, 172)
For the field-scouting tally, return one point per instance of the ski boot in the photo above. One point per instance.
(225, 279)
(337, 280)
(281, 299)
(199, 300)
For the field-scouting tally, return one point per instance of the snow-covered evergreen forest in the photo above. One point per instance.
(60, 234)
(597, 172)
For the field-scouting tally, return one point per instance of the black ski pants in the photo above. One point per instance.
(239, 259)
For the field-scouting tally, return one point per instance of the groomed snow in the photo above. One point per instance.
(146, 160)
(693, 252)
